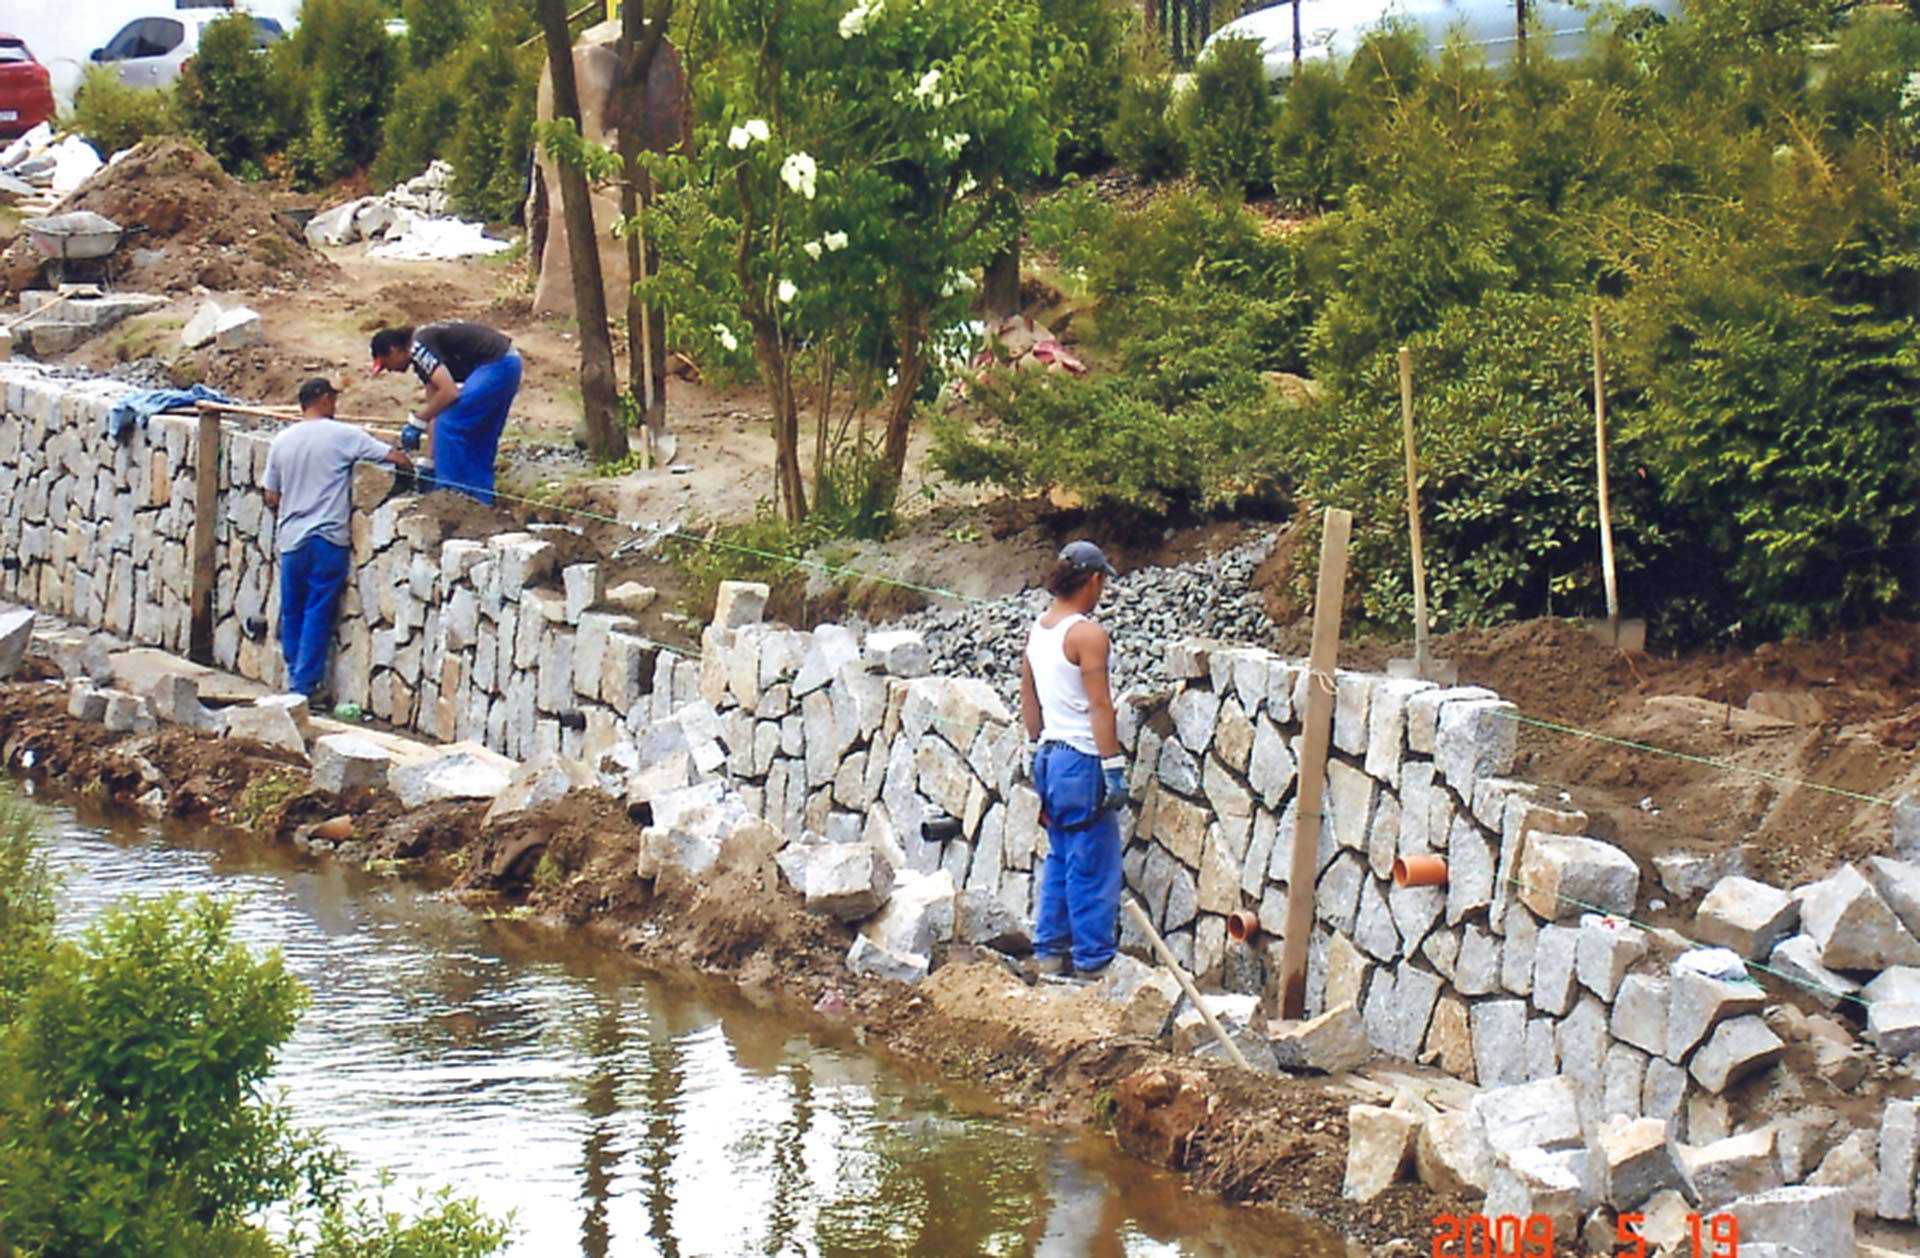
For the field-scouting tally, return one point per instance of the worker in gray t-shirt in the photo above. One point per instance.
(310, 488)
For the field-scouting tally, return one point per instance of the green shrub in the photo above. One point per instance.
(1087, 40)
(345, 64)
(445, 1227)
(1505, 433)
(435, 28)
(112, 116)
(491, 145)
(235, 99)
(1225, 118)
(27, 905)
(426, 109)
(1069, 225)
(1143, 135)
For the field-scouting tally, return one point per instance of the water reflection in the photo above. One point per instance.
(616, 1115)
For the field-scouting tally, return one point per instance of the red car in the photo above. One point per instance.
(26, 92)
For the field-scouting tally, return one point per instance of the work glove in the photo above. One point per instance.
(1113, 778)
(411, 435)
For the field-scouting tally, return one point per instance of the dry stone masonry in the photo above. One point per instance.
(898, 800)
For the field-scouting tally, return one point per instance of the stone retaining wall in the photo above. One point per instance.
(1494, 975)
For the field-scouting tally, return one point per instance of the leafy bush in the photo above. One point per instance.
(491, 145)
(1224, 119)
(346, 65)
(435, 28)
(1144, 136)
(27, 907)
(234, 100)
(112, 116)
(426, 109)
(1505, 434)
(1087, 40)
(1069, 226)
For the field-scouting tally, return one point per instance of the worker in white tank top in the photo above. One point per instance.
(1078, 769)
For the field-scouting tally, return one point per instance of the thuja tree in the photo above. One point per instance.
(851, 170)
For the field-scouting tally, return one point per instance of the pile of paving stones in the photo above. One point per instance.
(1145, 610)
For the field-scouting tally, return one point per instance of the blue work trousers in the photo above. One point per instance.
(466, 436)
(311, 579)
(1080, 881)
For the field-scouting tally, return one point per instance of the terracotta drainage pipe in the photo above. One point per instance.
(1420, 871)
(1242, 926)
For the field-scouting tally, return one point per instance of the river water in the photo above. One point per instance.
(616, 1113)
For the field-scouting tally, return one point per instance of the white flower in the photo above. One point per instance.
(967, 184)
(834, 241)
(928, 81)
(797, 172)
(952, 144)
(739, 138)
(757, 128)
(812, 248)
(725, 336)
(855, 19)
(787, 292)
(957, 282)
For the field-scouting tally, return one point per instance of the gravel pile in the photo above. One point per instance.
(1144, 610)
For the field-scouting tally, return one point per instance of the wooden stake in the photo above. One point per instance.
(1145, 924)
(1421, 662)
(1600, 451)
(206, 490)
(1325, 657)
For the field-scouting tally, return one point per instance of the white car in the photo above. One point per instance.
(149, 51)
(1330, 30)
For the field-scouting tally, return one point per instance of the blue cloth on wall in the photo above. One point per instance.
(138, 408)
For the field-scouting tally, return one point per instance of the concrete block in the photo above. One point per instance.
(1738, 1047)
(348, 762)
(1747, 916)
(1566, 875)
(1853, 926)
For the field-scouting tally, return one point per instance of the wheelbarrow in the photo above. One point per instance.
(81, 237)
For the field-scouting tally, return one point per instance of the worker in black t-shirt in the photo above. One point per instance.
(471, 373)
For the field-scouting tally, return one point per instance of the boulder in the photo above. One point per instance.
(87, 702)
(1697, 1000)
(1450, 1157)
(1733, 1167)
(1334, 1042)
(1739, 1047)
(1637, 1160)
(348, 762)
(1543, 1114)
(983, 919)
(874, 960)
(1797, 959)
(1894, 1028)
(1898, 882)
(848, 881)
(297, 708)
(270, 725)
(1379, 1149)
(175, 698)
(1896, 985)
(919, 914)
(1899, 1159)
(1529, 1182)
(1607, 947)
(1640, 1012)
(898, 653)
(1564, 875)
(127, 714)
(469, 773)
(542, 780)
(1146, 995)
(1747, 916)
(1851, 1165)
(740, 603)
(1853, 926)
(631, 597)
(16, 634)
(1815, 1221)
(1190, 1031)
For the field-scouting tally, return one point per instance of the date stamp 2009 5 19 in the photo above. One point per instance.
(1514, 1236)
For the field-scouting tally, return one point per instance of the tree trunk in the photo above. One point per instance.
(790, 487)
(599, 386)
(912, 369)
(1000, 295)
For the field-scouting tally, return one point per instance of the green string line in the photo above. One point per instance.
(1708, 761)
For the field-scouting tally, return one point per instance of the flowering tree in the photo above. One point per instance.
(849, 159)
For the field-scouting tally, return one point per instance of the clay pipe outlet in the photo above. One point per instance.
(1420, 871)
(1242, 926)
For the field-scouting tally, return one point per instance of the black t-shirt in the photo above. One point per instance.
(460, 347)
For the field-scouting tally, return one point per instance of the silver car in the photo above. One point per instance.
(1330, 30)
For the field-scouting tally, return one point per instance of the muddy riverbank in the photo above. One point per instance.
(1267, 1143)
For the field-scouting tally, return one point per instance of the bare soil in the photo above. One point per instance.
(203, 228)
(1267, 1143)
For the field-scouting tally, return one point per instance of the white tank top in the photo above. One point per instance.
(1064, 715)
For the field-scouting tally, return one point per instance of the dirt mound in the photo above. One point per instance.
(203, 228)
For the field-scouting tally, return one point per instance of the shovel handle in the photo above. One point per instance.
(1600, 460)
(1413, 513)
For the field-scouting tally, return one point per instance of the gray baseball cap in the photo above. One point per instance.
(1086, 557)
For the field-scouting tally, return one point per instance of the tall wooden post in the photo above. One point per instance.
(1315, 738)
(206, 492)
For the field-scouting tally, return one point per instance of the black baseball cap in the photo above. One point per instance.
(315, 389)
(1086, 557)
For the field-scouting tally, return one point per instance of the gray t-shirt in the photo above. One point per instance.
(310, 466)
